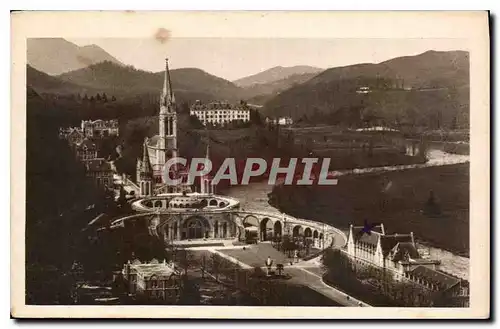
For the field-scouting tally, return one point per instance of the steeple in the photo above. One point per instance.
(147, 170)
(167, 96)
(207, 155)
(206, 186)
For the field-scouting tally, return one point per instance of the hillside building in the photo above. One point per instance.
(220, 113)
(99, 128)
(90, 129)
(100, 171)
(86, 150)
(282, 121)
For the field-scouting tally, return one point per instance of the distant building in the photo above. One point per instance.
(152, 280)
(282, 121)
(220, 113)
(363, 90)
(100, 171)
(90, 129)
(100, 128)
(398, 254)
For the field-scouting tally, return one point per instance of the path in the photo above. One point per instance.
(306, 277)
(305, 273)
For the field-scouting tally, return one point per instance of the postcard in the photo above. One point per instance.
(250, 165)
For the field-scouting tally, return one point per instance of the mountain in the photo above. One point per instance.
(275, 74)
(428, 70)
(189, 84)
(56, 55)
(43, 83)
(262, 92)
(433, 86)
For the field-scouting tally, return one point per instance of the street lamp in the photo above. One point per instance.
(269, 263)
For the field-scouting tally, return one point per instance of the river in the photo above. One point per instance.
(255, 197)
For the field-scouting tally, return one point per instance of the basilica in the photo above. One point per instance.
(158, 149)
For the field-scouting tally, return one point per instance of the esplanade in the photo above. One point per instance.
(197, 218)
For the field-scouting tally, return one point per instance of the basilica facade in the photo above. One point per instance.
(158, 149)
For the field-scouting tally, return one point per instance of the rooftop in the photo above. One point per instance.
(198, 106)
(153, 268)
(442, 279)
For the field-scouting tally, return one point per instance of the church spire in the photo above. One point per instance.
(147, 170)
(207, 156)
(167, 96)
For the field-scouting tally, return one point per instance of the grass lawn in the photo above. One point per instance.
(398, 199)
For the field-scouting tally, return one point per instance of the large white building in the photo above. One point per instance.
(220, 113)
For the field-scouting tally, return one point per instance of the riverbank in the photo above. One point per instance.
(399, 199)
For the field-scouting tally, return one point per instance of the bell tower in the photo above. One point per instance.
(167, 143)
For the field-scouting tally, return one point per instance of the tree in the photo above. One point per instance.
(194, 122)
(98, 97)
(215, 260)
(255, 117)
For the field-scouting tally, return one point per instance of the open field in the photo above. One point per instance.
(398, 199)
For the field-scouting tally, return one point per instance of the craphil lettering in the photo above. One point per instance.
(291, 171)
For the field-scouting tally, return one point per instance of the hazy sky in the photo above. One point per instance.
(233, 58)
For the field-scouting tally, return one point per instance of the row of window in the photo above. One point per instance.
(223, 120)
(221, 116)
(220, 111)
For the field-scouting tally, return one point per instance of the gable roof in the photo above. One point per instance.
(388, 242)
(443, 280)
(404, 248)
(369, 238)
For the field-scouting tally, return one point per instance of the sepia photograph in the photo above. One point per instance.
(327, 171)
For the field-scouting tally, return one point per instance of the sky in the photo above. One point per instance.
(234, 58)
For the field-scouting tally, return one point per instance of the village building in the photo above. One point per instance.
(72, 135)
(89, 129)
(99, 128)
(100, 171)
(282, 121)
(86, 150)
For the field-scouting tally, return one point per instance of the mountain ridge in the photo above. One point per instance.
(274, 74)
(55, 56)
(432, 86)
